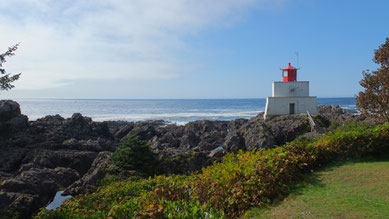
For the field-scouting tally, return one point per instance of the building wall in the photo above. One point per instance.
(280, 105)
(291, 89)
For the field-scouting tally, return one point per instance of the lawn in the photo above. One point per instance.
(358, 189)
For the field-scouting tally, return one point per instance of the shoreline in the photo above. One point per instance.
(180, 111)
(71, 153)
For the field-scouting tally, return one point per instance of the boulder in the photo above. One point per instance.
(183, 162)
(39, 157)
(235, 142)
(11, 158)
(202, 136)
(331, 109)
(51, 120)
(251, 134)
(11, 120)
(18, 123)
(77, 160)
(18, 205)
(97, 172)
(40, 180)
(287, 128)
(79, 127)
(334, 113)
(96, 145)
(9, 109)
(257, 133)
(123, 131)
(32, 189)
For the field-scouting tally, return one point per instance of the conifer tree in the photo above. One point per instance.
(6, 79)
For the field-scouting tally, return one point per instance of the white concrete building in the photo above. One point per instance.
(290, 96)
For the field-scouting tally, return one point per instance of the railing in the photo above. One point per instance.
(311, 122)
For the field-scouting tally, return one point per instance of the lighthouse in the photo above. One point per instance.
(290, 96)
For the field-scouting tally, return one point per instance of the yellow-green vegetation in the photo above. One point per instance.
(229, 188)
(353, 190)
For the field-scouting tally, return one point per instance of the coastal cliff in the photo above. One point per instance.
(39, 158)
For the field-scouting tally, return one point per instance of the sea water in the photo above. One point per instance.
(57, 201)
(178, 111)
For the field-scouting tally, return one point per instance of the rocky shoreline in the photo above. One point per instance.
(39, 158)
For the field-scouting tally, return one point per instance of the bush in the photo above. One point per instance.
(334, 125)
(134, 154)
(228, 188)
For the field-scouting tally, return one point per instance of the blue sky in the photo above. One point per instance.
(188, 48)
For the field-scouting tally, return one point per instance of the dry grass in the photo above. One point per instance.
(351, 190)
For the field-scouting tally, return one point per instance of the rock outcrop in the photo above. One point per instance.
(40, 157)
(11, 120)
(32, 188)
(97, 172)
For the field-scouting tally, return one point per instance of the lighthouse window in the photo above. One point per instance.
(285, 73)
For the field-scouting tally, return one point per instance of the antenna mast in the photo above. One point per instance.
(297, 56)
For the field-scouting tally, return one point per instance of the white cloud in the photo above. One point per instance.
(108, 39)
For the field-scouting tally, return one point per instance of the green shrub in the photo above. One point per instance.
(228, 188)
(354, 126)
(134, 154)
(334, 125)
(348, 126)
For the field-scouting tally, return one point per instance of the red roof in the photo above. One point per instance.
(289, 67)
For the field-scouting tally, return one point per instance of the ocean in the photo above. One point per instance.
(178, 111)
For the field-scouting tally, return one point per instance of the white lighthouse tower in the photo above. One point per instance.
(290, 96)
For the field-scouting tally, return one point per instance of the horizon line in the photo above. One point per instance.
(243, 98)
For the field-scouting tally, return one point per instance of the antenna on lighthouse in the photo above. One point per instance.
(297, 57)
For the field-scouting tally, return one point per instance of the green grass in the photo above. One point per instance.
(358, 189)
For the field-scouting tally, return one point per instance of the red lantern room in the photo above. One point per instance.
(289, 73)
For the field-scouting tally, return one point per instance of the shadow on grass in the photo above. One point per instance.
(313, 179)
(366, 159)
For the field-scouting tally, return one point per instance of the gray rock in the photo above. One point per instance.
(32, 189)
(95, 145)
(217, 153)
(123, 131)
(8, 110)
(235, 142)
(11, 158)
(331, 109)
(11, 119)
(334, 113)
(97, 172)
(77, 160)
(52, 120)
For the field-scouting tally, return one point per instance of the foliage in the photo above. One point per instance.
(353, 126)
(229, 188)
(6, 79)
(134, 154)
(159, 197)
(374, 100)
(334, 125)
